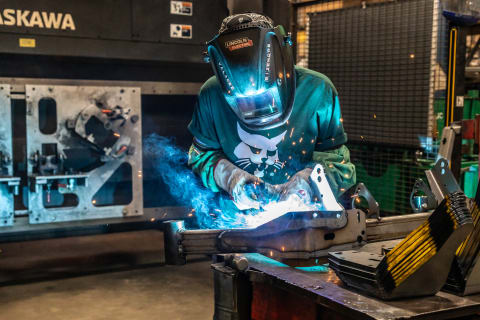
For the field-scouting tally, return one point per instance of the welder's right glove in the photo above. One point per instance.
(240, 185)
(298, 185)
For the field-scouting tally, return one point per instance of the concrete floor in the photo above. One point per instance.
(119, 276)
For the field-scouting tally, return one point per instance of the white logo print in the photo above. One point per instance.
(258, 151)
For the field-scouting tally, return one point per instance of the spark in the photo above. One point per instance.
(341, 120)
(283, 248)
(271, 253)
(189, 192)
(121, 150)
(94, 201)
(312, 141)
(412, 55)
(330, 165)
(304, 152)
(374, 116)
(291, 131)
(294, 143)
(300, 140)
(117, 135)
(152, 219)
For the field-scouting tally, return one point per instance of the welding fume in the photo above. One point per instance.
(261, 124)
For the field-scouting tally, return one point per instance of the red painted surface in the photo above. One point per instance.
(270, 303)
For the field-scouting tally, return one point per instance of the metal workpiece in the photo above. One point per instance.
(9, 185)
(83, 146)
(352, 197)
(463, 282)
(6, 167)
(17, 85)
(464, 277)
(421, 197)
(450, 136)
(419, 264)
(172, 233)
(441, 180)
(322, 190)
(300, 235)
(394, 227)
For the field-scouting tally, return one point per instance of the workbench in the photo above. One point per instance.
(280, 291)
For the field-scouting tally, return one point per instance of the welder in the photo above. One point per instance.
(262, 123)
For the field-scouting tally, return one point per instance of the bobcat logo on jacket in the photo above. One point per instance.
(259, 152)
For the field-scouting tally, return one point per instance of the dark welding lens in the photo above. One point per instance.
(257, 106)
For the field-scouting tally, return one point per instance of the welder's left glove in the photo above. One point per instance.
(298, 185)
(239, 184)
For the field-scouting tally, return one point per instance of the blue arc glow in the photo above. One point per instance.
(170, 164)
(251, 92)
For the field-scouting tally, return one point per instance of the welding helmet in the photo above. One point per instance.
(253, 61)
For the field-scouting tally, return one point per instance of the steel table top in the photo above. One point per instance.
(323, 286)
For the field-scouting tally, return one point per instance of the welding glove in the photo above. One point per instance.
(297, 186)
(242, 186)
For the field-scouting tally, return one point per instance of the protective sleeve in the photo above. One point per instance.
(205, 151)
(339, 170)
(331, 133)
(203, 164)
(202, 125)
(330, 150)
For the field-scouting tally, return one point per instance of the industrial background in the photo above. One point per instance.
(83, 201)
